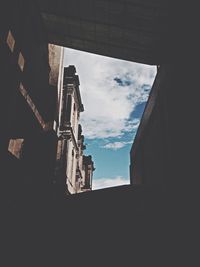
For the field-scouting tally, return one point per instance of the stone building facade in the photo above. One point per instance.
(40, 105)
(41, 111)
(70, 164)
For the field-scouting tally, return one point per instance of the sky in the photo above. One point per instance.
(114, 93)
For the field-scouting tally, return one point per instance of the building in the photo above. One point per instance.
(161, 226)
(141, 32)
(70, 164)
(27, 102)
(31, 101)
(88, 168)
(85, 166)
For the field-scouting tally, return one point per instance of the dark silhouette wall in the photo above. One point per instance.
(27, 102)
(165, 149)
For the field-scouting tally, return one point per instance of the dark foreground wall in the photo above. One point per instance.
(165, 150)
(31, 174)
(24, 69)
(27, 102)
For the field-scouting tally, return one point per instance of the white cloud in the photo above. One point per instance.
(116, 145)
(107, 104)
(109, 182)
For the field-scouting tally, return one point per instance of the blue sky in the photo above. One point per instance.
(114, 93)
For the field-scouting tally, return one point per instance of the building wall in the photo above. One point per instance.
(71, 167)
(165, 148)
(67, 131)
(73, 152)
(27, 100)
(56, 57)
(56, 64)
(72, 170)
(24, 57)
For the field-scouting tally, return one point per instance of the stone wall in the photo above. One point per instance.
(166, 145)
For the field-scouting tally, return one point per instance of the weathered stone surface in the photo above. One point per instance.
(55, 63)
(132, 30)
(72, 168)
(15, 147)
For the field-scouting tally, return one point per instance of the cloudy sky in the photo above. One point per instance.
(114, 93)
